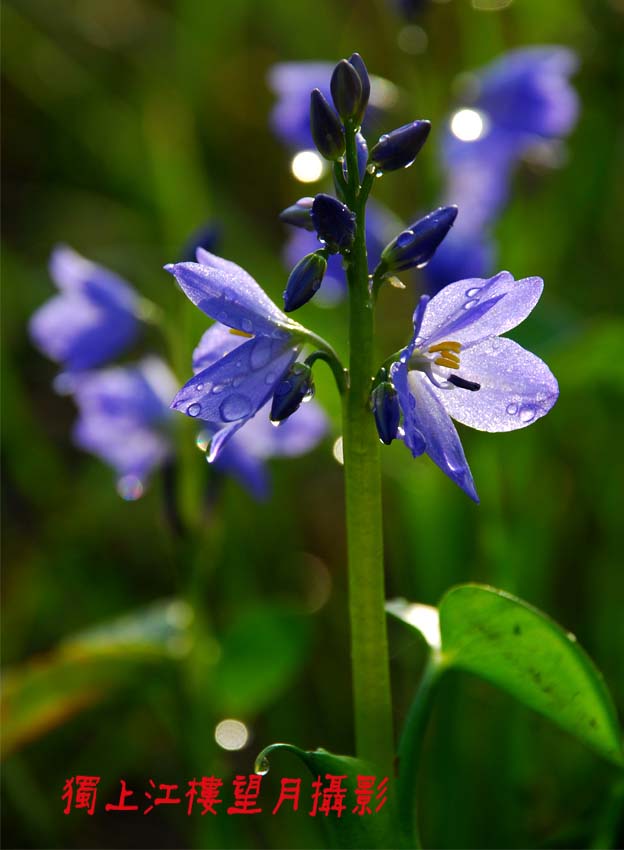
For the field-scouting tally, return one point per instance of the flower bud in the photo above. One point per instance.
(358, 63)
(295, 386)
(417, 245)
(299, 214)
(346, 89)
(334, 222)
(326, 128)
(400, 148)
(385, 406)
(304, 281)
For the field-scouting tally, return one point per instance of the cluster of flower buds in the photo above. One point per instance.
(295, 387)
(350, 88)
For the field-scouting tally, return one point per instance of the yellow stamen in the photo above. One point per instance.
(240, 333)
(447, 361)
(445, 346)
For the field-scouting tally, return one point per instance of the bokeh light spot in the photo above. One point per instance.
(468, 125)
(231, 734)
(307, 166)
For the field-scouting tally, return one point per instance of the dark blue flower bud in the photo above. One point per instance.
(299, 214)
(295, 386)
(400, 148)
(334, 223)
(325, 127)
(416, 245)
(358, 63)
(304, 281)
(386, 410)
(346, 89)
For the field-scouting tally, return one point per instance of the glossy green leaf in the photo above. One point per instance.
(520, 650)
(376, 830)
(261, 654)
(47, 690)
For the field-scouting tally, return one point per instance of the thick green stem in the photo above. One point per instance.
(410, 748)
(369, 646)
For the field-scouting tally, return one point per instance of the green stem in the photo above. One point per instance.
(369, 645)
(410, 747)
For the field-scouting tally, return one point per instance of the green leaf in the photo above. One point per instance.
(47, 690)
(261, 655)
(520, 650)
(375, 830)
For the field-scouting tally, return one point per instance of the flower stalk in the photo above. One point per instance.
(369, 645)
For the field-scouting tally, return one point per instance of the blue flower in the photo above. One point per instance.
(245, 455)
(381, 226)
(124, 419)
(521, 101)
(457, 366)
(93, 319)
(292, 82)
(231, 389)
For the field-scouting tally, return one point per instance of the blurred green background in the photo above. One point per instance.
(130, 123)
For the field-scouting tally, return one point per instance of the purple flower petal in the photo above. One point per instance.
(471, 310)
(128, 448)
(230, 391)
(75, 275)
(517, 388)
(428, 417)
(230, 295)
(217, 341)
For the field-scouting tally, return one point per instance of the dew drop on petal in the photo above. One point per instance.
(130, 488)
(470, 304)
(260, 355)
(235, 406)
(202, 441)
(275, 422)
(512, 409)
(527, 413)
(270, 378)
(193, 409)
(247, 325)
(199, 388)
(222, 317)
(218, 388)
(404, 238)
(238, 381)
(472, 292)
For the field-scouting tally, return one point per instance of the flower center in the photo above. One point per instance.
(442, 355)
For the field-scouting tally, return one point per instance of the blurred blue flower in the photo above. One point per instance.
(93, 319)
(516, 104)
(245, 455)
(293, 82)
(456, 365)
(231, 389)
(381, 226)
(124, 413)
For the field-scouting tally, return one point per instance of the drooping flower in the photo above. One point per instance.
(457, 366)
(124, 419)
(245, 455)
(92, 319)
(518, 103)
(381, 226)
(231, 389)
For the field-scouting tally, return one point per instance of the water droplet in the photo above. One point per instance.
(379, 173)
(260, 355)
(384, 137)
(404, 239)
(235, 406)
(130, 488)
(470, 303)
(512, 409)
(275, 422)
(222, 317)
(472, 292)
(370, 168)
(199, 388)
(202, 441)
(238, 381)
(218, 388)
(261, 767)
(193, 409)
(337, 451)
(270, 378)
(308, 396)
(527, 413)
(247, 325)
